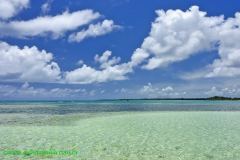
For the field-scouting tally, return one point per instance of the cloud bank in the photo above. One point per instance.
(27, 90)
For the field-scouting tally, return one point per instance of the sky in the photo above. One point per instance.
(80, 50)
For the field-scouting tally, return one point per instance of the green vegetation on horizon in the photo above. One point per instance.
(209, 98)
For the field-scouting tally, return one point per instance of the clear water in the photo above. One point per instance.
(144, 135)
(154, 130)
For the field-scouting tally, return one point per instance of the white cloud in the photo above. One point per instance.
(176, 35)
(228, 65)
(193, 89)
(150, 91)
(54, 26)
(30, 92)
(27, 64)
(9, 8)
(27, 90)
(223, 91)
(104, 60)
(167, 89)
(147, 89)
(80, 62)
(138, 57)
(109, 70)
(214, 92)
(34, 65)
(46, 7)
(93, 30)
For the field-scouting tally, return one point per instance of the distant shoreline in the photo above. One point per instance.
(215, 98)
(209, 98)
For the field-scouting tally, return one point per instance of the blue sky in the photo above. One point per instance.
(76, 49)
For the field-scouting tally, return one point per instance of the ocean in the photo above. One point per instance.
(66, 107)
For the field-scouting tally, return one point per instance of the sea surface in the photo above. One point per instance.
(122, 129)
(65, 107)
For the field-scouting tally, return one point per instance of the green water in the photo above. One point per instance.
(147, 135)
(125, 133)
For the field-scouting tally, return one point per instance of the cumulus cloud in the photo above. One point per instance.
(10, 8)
(176, 35)
(138, 57)
(167, 89)
(228, 65)
(151, 91)
(104, 60)
(34, 65)
(109, 70)
(94, 30)
(27, 64)
(55, 26)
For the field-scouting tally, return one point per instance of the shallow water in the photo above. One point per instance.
(145, 135)
(119, 130)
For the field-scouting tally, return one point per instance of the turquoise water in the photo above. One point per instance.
(133, 136)
(65, 107)
(122, 130)
(113, 102)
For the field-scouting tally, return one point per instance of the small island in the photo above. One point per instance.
(208, 98)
